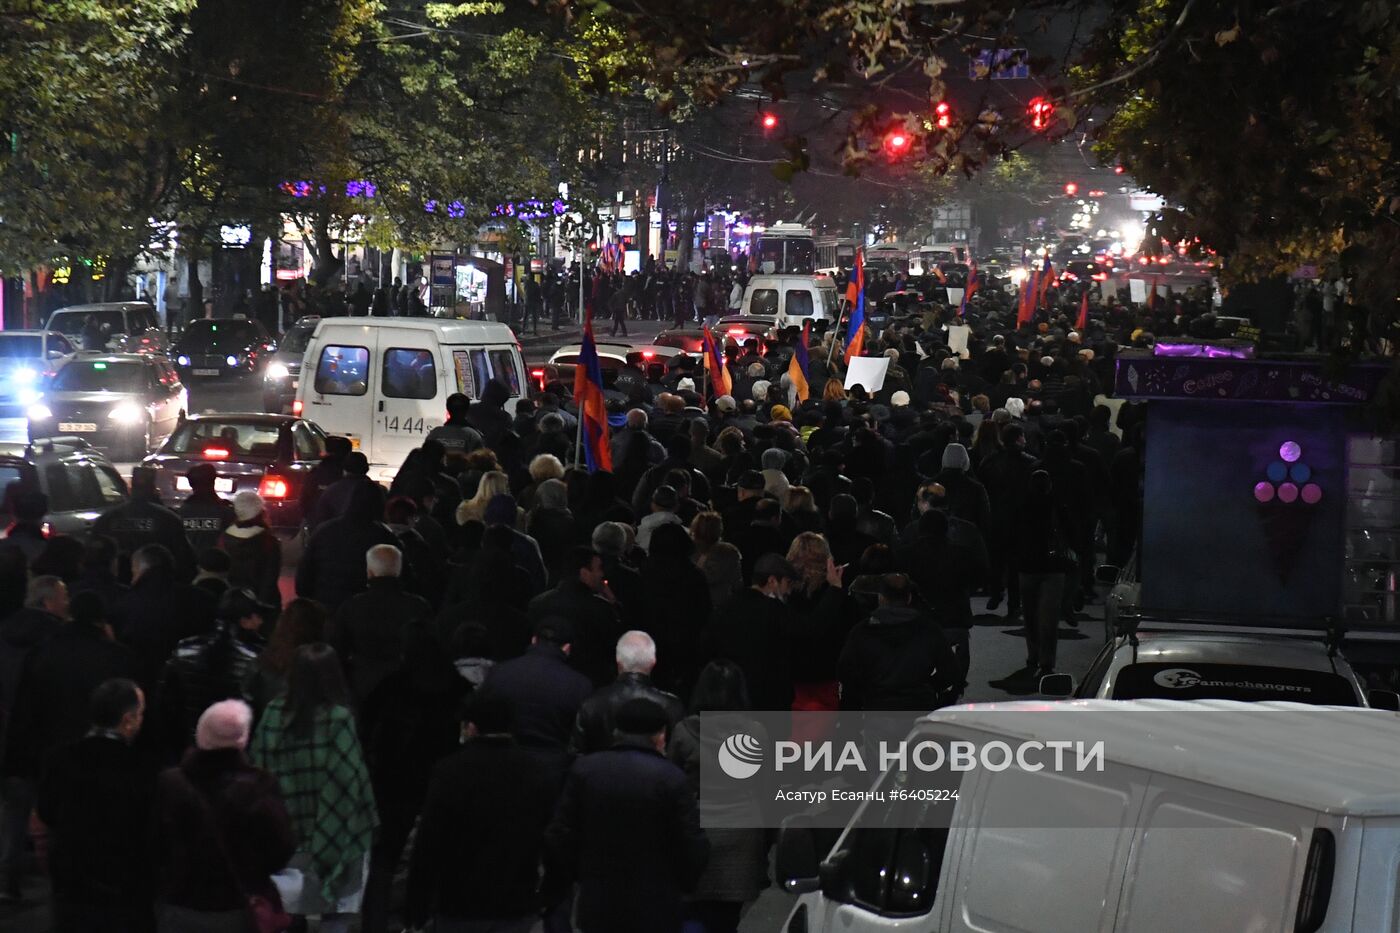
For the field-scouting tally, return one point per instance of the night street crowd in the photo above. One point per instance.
(491, 673)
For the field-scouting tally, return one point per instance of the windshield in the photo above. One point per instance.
(216, 333)
(296, 338)
(239, 438)
(73, 322)
(1232, 682)
(26, 346)
(99, 376)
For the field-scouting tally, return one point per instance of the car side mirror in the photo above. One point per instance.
(1107, 573)
(1383, 699)
(795, 862)
(915, 874)
(1057, 686)
(832, 875)
(56, 354)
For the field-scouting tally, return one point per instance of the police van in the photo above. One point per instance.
(384, 382)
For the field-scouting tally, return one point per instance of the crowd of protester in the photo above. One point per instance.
(490, 673)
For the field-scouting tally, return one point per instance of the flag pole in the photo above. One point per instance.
(835, 336)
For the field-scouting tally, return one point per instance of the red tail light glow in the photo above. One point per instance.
(296, 406)
(736, 332)
(648, 354)
(216, 453)
(1100, 276)
(273, 487)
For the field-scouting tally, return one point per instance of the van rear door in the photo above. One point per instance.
(410, 395)
(474, 366)
(336, 378)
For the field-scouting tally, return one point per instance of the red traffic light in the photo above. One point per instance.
(896, 143)
(770, 121)
(943, 115)
(1071, 189)
(1041, 112)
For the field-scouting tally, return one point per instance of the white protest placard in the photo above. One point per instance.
(954, 296)
(1137, 291)
(957, 339)
(868, 372)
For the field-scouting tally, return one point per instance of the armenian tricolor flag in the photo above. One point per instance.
(1047, 278)
(855, 329)
(797, 366)
(1082, 324)
(720, 380)
(592, 409)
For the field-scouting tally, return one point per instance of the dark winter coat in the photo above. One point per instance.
(139, 522)
(202, 671)
(156, 613)
(595, 623)
(332, 568)
(896, 660)
(367, 632)
(545, 692)
(594, 729)
(256, 556)
(753, 630)
(204, 518)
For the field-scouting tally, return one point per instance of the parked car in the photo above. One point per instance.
(1217, 662)
(220, 347)
(282, 374)
(119, 326)
(266, 454)
(26, 357)
(125, 403)
(78, 480)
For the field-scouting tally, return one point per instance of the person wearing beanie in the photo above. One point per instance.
(204, 513)
(255, 554)
(966, 497)
(628, 828)
(222, 827)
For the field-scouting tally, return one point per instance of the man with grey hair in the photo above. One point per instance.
(637, 423)
(636, 658)
(367, 630)
(612, 540)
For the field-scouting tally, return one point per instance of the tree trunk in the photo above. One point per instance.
(327, 263)
(114, 283)
(685, 236)
(194, 305)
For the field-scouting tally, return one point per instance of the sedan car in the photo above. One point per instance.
(745, 327)
(80, 482)
(1219, 663)
(26, 357)
(126, 403)
(220, 347)
(282, 374)
(690, 340)
(266, 454)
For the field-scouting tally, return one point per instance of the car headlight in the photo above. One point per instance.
(24, 375)
(182, 360)
(231, 360)
(28, 396)
(38, 412)
(277, 371)
(127, 413)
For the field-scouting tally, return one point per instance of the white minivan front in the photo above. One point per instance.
(384, 383)
(792, 299)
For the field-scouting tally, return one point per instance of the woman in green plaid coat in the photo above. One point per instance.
(307, 740)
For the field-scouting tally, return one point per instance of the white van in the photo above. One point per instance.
(1213, 817)
(384, 382)
(792, 299)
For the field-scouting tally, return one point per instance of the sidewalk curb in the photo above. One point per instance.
(564, 336)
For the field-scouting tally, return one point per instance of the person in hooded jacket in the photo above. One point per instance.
(898, 659)
(456, 434)
(254, 551)
(489, 416)
(332, 567)
(204, 513)
(965, 497)
(322, 475)
(159, 610)
(29, 506)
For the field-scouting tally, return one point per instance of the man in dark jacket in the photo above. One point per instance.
(332, 568)
(636, 658)
(142, 520)
(495, 788)
(583, 598)
(456, 435)
(95, 801)
(628, 829)
(489, 415)
(753, 629)
(336, 498)
(1007, 476)
(208, 668)
(205, 514)
(544, 691)
(27, 533)
(159, 610)
(22, 633)
(322, 475)
(367, 630)
(52, 703)
(897, 659)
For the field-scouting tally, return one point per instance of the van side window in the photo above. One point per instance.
(764, 301)
(409, 374)
(799, 303)
(503, 369)
(343, 371)
(481, 372)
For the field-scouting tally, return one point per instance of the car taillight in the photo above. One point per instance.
(216, 453)
(1100, 276)
(296, 406)
(735, 332)
(538, 376)
(647, 354)
(273, 487)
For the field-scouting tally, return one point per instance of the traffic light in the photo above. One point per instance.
(943, 115)
(1041, 112)
(770, 121)
(1071, 189)
(896, 143)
